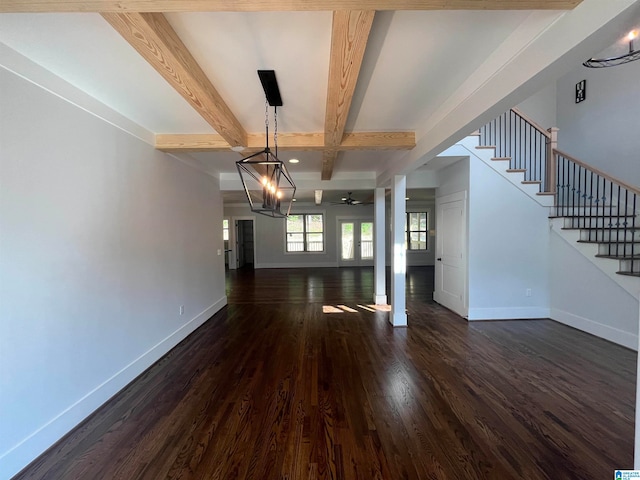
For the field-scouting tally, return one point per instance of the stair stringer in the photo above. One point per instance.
(467, 147)
(589, 251)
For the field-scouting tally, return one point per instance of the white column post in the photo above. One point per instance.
(379, 255)
(398, 316)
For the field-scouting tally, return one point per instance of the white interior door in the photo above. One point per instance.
(451, 264)
(355, 243)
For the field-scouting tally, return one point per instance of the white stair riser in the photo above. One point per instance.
(625, 265)
(571, 211)
(608, 235)
(618, 249)
(600, 222)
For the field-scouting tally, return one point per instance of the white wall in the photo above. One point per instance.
(603, 130)
(584, 297)
(102, 238)
(541, 107)
(508, 249)
(270, 235)
(453, 179)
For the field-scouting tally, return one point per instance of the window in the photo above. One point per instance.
(305, 233)
(416, 229)
(225, 230)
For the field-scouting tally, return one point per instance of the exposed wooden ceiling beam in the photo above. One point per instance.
(152, 36)
(328, 160)
(349, 34)
(121, 6)
(378, 141)
(288, 142)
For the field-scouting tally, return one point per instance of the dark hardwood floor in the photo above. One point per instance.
(273, 388)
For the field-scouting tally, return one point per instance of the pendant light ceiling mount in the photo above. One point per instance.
(266, 180)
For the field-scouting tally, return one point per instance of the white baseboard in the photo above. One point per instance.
(19, 456)
(380, 299)
(626, 339)
(398, 319)
(295, 265)
(508, 313)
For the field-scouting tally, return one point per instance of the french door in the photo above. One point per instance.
(355, 245)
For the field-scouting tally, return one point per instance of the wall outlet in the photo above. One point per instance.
(219, 252)
(528, 292)
(181, 309)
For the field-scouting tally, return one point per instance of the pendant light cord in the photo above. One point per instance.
(275, 131)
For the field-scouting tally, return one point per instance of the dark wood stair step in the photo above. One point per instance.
(614, 242)
(608, 215)
(629, 274)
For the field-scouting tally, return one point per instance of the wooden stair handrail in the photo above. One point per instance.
(599, 172)
(535, 125)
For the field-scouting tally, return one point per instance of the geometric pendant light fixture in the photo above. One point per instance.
(265, 179)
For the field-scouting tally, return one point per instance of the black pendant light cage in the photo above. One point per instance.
(631, 56)
(265, 179)
(267, 183)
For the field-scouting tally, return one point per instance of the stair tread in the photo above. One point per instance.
(603, 229)
(616, 215)
(486, 146)
(613, 242)
(516, 170)
(619, 257)
(501, 159)
(531, 182)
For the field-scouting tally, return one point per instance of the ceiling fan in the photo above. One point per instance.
(349, 200)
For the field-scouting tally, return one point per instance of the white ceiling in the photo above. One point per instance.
(415, 64)
(414, 60)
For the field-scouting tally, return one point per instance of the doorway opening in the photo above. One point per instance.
(245, 254)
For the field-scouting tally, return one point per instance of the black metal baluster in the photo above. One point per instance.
(604, 194)
(520, 139)
(601, 226)
(625, 223)
(618, 223)
(558, 180)
(499, 139)
(633, 233)
(574, 188)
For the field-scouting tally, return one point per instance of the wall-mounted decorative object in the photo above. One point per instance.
(581, 91)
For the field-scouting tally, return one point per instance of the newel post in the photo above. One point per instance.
(551, 160)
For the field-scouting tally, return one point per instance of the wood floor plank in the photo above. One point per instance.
(273, 388)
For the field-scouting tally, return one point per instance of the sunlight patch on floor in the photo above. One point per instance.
(347, 309)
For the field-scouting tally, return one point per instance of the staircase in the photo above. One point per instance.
(588, 206)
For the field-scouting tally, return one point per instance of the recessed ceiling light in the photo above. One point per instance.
(295, 199)
(238, 148)
(406, 198)
(294, 160)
